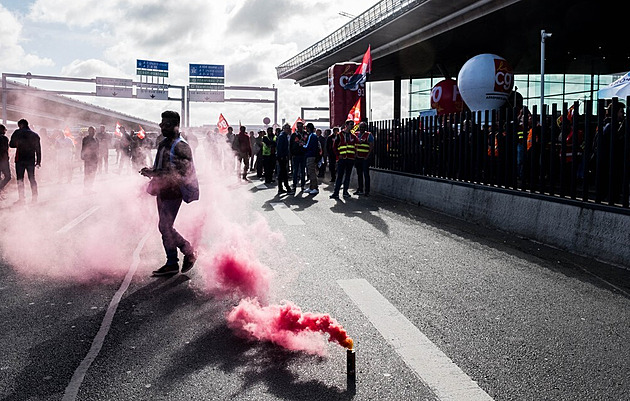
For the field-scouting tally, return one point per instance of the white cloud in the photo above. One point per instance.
(13, 57)
(250, 37)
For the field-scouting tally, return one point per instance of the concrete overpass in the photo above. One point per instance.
(44, 109)
(434, 38)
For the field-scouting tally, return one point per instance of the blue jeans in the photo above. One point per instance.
(171, 239)
(299, 170)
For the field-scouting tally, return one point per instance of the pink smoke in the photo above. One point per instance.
(230, 274)
(286, 325)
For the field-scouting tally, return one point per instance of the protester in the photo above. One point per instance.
(252, 144)
(258, 148)
(362, 160)
(332, 155)
(65, 149)
(244, 150)
(5, 170)
(125, 151)
(28, 155)
(90, 157)
(269, 155)
(173, 179)
(104, 140)
(311, 154)
(297, 150)
(282, 155)
(345, 147)
(323, 138)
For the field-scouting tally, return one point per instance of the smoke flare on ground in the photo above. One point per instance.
(286, 325)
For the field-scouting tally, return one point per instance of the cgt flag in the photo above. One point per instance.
(222, 124)
(355, 112)
(117, 132)
(141, 134)
(362, 72)
(294, 127)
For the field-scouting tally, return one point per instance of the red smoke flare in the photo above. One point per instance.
(286, 325)
(240, 275)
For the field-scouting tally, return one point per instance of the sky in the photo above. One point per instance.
(89, 39)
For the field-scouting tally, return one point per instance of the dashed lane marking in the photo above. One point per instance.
(287, 214)
(79, 374)
(434, 368)
(78, 220)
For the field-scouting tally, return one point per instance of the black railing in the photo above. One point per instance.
(566, 154)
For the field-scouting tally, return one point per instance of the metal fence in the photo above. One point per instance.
(566, 154)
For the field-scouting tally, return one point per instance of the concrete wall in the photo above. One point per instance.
(588, 231)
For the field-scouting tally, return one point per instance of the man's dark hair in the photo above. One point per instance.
(172, 116)
(23, 122)
(2, 126)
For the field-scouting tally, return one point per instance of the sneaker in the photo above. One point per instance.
(189, 261)
(358, 192)
(367, 194)
(334, 196)
(20, 202)
(314, 191)
(347, 195)
(166, 270)
(308, 191)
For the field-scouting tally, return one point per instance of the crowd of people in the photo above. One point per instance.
(296, 157)
(65, 152)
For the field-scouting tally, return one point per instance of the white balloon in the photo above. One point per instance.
(485, 82)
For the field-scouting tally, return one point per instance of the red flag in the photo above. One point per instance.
(117, 132)
(362, 72)
(355, 112)
(222, 125)
(141, 134)
(294, 127)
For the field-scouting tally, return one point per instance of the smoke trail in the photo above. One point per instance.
(286, 325)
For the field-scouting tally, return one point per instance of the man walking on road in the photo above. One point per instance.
(173, 178)
(28, 155)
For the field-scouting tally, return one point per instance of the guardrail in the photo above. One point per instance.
(566, 154)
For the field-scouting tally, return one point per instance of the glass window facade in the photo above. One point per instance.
(559, 88)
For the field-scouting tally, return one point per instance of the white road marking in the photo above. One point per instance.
(262, 186)
(77, 378)
(78, 220)
(434, 368)
(287, 214)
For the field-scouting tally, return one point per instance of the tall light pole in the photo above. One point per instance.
(543, 35)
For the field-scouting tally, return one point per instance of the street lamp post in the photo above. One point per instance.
(543, 35)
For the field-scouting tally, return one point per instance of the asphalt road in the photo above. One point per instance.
(438, 308)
